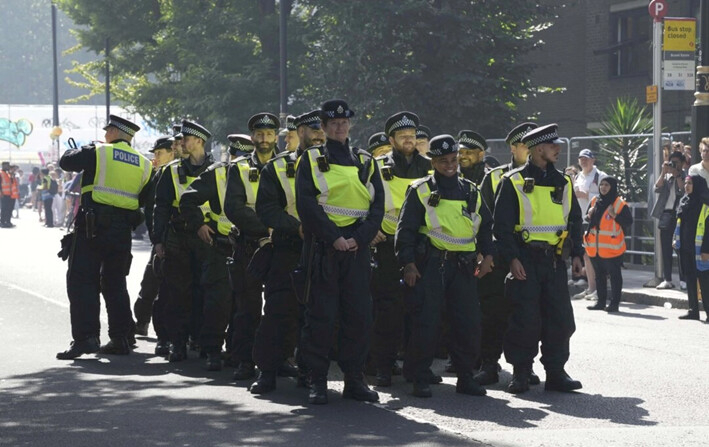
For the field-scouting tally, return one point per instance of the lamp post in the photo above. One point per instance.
(108, 80)
(55, 89)
(283, 72)
(700, 108)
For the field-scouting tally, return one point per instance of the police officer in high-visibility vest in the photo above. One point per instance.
(242, 188)
(423, 135)
(537, 220)
(340, 201)
(278, 332)
(443, 226)
(378, 144)
(495, 305)
(290, 137)
(112, 190)
(240, 145)
(182, 251)
(472, 147)
(212, 227)
(397, 170)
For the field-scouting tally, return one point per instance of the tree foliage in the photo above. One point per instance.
(457, 63)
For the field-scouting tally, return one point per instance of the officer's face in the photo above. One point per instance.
(549, 152)
(162, 157)
(381, 150)
(404, 141)
(264, 140)
(310, 137)
(177, 148)
(191, 144)
(520, 152)
(292, 140)
(422, 145)
(110, 134)
(446, 165)
(469, 157)
(337, 129)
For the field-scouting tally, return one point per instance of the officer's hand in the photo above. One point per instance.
(160, 250)
(352, 244)
(340, 244)
(205, 233)
(411, 274)
(517, 270)
(576, 266)
(380, 237)
(704, 256)
(485, 266)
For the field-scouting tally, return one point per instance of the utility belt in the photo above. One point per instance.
(283, 242)
(100, 217)
(467, 261)
(540, 248)
(178, 224)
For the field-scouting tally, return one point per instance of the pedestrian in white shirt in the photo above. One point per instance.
(702, 168)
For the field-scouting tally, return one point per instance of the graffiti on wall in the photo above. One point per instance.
(15, 132)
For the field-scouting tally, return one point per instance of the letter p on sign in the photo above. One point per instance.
(658, 9)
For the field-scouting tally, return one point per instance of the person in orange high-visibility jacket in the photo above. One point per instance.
(604, 240)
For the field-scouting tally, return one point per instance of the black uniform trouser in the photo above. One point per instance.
(183, 266)
(388, 301)
(247, 306)
(149, 288)
(443, 283)
(666, 237)
(605, 267)
(339, 290)
(689, 264)
(48, 213)
(541, 311)
(495, 307)
(217, 297)
(100, 266)
(276, 336)
(7, 204)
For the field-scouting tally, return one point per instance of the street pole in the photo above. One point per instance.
(55, 88)
(656, 160)
(700, 108)
(108, 81)
(283, 67)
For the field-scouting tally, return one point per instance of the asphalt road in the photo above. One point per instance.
(643, 371)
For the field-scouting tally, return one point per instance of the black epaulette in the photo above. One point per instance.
(242, 158)
(90, 146)
(358, 151)
(509, 173)
(215, 165)
(415, 184)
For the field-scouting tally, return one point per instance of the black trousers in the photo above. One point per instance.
(183, 268)
(666, 249)
(443, 283)
(217, 297)
(248, 304)
(689, 265)
(48, 213)
(604, 268)
(99, 266)
(7, 204)
(541, 311)
(388, 301)
(495, 307)
(149, 288)
(277, 333)
(339, 292)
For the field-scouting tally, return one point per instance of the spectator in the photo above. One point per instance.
(608, 219)
(702, 168)
(48, 189)
(669, 186)
(692, 215)
(58, 198)
(572, 171)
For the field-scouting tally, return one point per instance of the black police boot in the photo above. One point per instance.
(116, 346)
(488, 373)
(560, 381)
(265, 383)
(287, 370)
(689, 316)
(141, 329)
(79, 347)
(520, 380)
(178, 352)
(318, 391)
(214, 361)
(422, 388)
(431, 378)
(396, 370)
(383, 378)
(466, 384)
(598, 306)
(245, 370)
(357, 389)
(533, 377)
(162, 348)
(613, 308)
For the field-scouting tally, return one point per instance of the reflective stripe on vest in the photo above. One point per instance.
(699, 238)
(394, 194)
(180, 189)
(342, 195)
(495, 177)
(121, 173)
(608, 241)
(540, 219)
(251, 188)
(280, 165)
(447, 226)
(223, 223)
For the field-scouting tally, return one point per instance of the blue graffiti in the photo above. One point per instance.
(15, 132)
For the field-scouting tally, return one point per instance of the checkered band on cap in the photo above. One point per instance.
(241, 146)
(195, 132)
(403, 122)
(516, 134)
(442, 145)
(290, 122)
(265, 121)
(306, 119)
(122, 128)
(540, 135)
(336, 108)
(467, 141)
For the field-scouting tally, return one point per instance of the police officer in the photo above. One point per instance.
(396, 169)
(242, 186)
(275, 206)
(177, 143)
(472, 147)
(340, 202)
(423, 135)
(183, 252)
(240, 145)
(113, 187)
(536, 215)
(291, 134)
(378, 144)
(495, 305)
(443, 225)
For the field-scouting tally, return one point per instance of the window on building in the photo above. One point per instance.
(631, 42)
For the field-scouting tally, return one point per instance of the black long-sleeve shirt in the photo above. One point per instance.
(271, 201)
(235, 208)
(413, 217)
(313, 217)
(506, 213)
(475, 173)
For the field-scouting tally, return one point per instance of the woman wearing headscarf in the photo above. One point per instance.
(692, 242)
(608, 217)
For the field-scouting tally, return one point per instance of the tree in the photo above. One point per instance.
(625, 158)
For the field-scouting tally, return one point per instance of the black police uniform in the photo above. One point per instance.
(102, 263)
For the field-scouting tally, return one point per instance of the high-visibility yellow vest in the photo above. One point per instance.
(450, 225)
(394, 195)
(180, 188)
(250, 177)
(121, 173)
(698, 238)
(223, 223)
(540, 218)
(495, 178)
(285, 171)
(342, 195)
(608, 241)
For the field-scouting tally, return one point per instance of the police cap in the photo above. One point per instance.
(401, 120)
(195, 129)
(240, 142)
(264, 120)
(543, 134)
(423, 132)
(335, 108)
(122, 124)
(310, 119)
(442, 145)
(467, 139)
(516, 134)
(163, 142)
(378, 139)
(290, 123)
